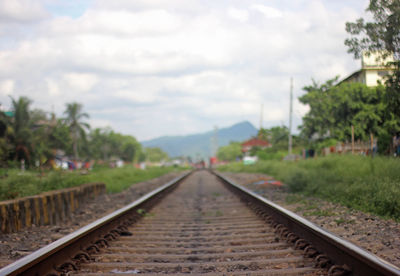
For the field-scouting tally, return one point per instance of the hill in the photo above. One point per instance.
(199, 145)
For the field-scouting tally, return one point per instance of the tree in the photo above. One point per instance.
(5, 129)
(21, 134)
(131, 149)
(318, 120)
(383, 35)
(76, 125)
(105, 143)
(335, 108)
(230, 152)
(155, 154)
(277, 136)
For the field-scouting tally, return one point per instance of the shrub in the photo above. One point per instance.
(297, 180)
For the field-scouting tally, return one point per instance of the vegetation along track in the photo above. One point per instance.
(202, 227)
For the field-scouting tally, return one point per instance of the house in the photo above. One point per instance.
(373, 70)
(254, 142)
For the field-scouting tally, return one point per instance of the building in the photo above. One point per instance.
(254, 142)
(373, 70)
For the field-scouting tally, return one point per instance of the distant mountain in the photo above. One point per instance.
(199, 145)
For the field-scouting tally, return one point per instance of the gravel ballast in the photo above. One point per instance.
(370, 232)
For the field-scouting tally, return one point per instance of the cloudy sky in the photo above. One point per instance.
(154, 67)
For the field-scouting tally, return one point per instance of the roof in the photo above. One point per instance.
(255, 142)
(9, 113)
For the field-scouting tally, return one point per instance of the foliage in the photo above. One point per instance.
(335, 108)
(278, 136)
(106, 144)
(318, 120)
(230, 152)
(20, 133)
(271, 154)
(74, 118)
(5, 146)
(34, 136)
(392, 115)
(371, 185)
(155, 155)
(383, 35)
(18, 184)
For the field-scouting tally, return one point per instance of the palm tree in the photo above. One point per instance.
(21, 128)
(76, 126)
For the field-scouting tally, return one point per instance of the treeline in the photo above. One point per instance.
(36, 137)
(339, 111)
(277, 136)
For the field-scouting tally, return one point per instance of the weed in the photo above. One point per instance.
(141, 211)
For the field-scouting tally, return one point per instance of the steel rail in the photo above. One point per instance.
(352, 258)
(46, 260)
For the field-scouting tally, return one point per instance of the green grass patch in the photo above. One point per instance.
(15, 184)
(363, 183)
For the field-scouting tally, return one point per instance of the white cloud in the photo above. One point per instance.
(119, 22)
(81, 82)
(238, 14)
(187, 6)
(7, 87)
(268, 12)
(52, 87)
(137, 96)
(21, 10)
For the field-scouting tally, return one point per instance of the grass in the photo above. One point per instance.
(371, 185)
(17, 184)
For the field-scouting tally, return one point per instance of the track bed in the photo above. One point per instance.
(200, 228)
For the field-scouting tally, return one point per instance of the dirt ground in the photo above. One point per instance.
(16, 245)
(370, 232)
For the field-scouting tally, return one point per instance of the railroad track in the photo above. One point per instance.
(199, 224)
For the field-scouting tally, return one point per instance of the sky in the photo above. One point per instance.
(150, 68)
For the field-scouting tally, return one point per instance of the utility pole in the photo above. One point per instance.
(290, 116)
(261, 121)
(214, 142)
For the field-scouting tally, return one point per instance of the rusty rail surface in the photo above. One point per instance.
(345, 256)
(207, 225)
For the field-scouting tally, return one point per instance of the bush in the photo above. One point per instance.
(297, 180)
